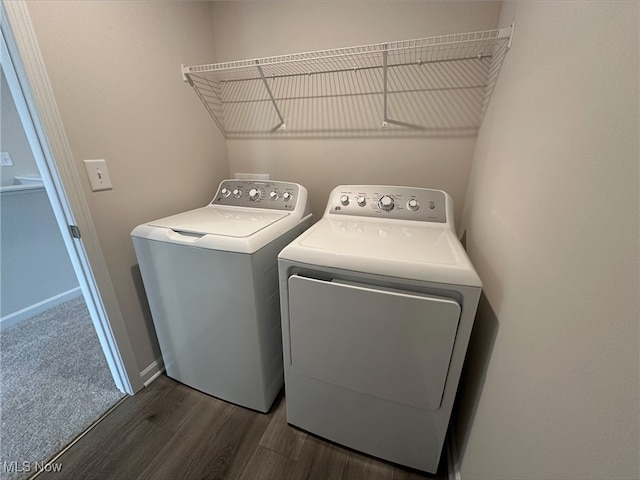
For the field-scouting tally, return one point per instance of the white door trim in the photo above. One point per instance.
(46, 135)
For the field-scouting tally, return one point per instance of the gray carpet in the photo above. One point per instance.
(54, 383)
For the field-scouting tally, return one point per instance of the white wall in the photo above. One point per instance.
(252, 29)
(551, 217)
(115, 72)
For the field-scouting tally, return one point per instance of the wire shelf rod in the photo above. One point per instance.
(275, 104)
(486, 36)
(347, 95)
(351, 69)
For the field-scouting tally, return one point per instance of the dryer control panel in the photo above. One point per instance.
(258, 194)
(401, 203)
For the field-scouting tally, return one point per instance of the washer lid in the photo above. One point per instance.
(222, 221)
(408, 250)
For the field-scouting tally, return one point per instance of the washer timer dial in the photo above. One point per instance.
(254, 194)
(386, 203)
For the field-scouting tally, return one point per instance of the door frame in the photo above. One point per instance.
(33, 95)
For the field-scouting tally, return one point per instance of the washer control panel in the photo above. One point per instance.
(257, 194)
(401, 203)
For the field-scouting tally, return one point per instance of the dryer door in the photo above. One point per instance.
(381, 342)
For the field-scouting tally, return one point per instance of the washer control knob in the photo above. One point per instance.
(344, 200)
(254, 194)
(273, 195)
(286, 196)
(225, 192)
(386, 203)
(413, 205)
(237, 193)
(362, 201)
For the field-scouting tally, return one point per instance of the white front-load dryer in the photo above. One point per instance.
(211, 280)
(378, 300)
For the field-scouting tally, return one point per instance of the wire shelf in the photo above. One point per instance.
(424, 87)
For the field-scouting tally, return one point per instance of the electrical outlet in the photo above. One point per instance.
(98, 175)
(5, 159)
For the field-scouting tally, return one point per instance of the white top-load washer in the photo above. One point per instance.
(378, 300)
(211, 279)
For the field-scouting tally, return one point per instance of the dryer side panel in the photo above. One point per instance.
(388, 344)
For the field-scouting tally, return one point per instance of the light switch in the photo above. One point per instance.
(98, 175)
(5, 159)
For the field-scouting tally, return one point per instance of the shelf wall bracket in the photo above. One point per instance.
(507, 33)
(185, 79)
(282, 125)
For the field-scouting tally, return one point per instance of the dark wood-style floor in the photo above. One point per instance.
(170, 431)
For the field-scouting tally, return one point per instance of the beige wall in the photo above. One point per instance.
(250, 29)
(551, 218)
(115, 72)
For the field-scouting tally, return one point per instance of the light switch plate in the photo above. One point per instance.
(98, 175)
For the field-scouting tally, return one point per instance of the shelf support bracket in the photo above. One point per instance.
(507, 33)
(385, 123)
(282, 125)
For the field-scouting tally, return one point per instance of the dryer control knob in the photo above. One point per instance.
(225, 192)
(237, 193)
(362, 201)
(386, 203)
(286, 196)
(254, 194)
(273, 195)
(344, 200)
(413, 205)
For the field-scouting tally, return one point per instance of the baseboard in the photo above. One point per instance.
(153, 371)
(37, 308)
(453, 460)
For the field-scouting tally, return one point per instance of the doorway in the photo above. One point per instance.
(29, 83)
